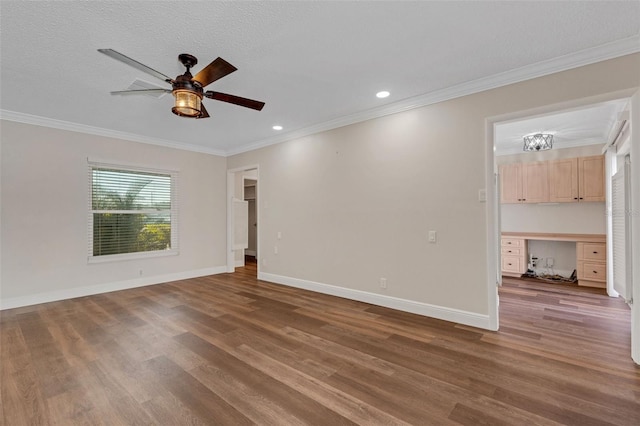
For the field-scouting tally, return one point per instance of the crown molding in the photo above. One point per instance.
(592, 55)
(35, 120)
(584, 57)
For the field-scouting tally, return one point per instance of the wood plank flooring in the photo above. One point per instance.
(231, 350)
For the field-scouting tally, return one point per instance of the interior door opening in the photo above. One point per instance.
(553, 215)
(243, 218)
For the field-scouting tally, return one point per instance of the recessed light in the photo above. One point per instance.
(276, 127)
(383, 94)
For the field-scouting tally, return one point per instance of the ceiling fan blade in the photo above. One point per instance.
(140, 92)
(214, 71)
(132, 62)
(203, 112)
(232, 99)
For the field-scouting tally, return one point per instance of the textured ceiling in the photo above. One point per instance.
(311, 62)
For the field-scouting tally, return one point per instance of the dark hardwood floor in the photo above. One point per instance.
(231, 350)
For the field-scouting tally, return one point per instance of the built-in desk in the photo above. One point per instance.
(591, 254)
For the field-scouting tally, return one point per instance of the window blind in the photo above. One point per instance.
(132, 212)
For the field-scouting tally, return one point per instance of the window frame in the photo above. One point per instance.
(173, 212)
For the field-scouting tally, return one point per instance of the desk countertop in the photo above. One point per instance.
(583, 238)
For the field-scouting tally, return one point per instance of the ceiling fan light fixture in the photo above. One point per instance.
(538, 142)
(188, 103)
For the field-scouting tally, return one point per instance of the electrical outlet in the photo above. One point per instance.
(264, 261)
(275, 249)
(383, 283)
(549, 262)
(433, 236)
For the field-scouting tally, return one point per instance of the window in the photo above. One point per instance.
(132, 212)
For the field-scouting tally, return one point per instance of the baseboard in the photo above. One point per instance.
(250, 253)
(239, 263)
(71, 293)
(420, 308)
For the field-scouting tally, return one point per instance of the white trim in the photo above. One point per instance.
(35, 120)
(125, 165)
(588, 56)
(131, 256)
(71, 293)
(492, 209)
(425, 309)
(572, 60)
(248, 252)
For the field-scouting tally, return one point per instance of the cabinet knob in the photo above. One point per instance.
(575, 198)
(508, 251)
(595, 272)
(581, 198)
(595, 252)
(509, 264)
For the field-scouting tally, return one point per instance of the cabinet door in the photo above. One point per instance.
(591, 172)
(535, 182)
(510, 183)
(563, 181)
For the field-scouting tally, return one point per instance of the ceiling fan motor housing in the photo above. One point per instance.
(188, 94)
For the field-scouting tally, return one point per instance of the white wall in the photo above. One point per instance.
(44, 214)
(355, 204)
(566, 218)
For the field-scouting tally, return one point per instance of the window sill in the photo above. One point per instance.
(131, 256)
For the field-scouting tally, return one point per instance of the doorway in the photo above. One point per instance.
(544, 213)
(243, 240)
(250, 190)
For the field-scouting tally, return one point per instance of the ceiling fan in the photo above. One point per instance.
(187, 89)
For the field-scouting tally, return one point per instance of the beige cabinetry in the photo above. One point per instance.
(591, 178)
(568, 180)
(576, 179)
(511, 183)
(514, 256)
(563, 180)
(592, 264)
(524, 183)
(535, 182)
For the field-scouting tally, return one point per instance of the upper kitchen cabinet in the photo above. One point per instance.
(511, 183)
(575, 180)
(569, 180)
(524, 183)
(535, 182)
(591, 178)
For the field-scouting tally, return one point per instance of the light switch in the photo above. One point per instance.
(279, 235)
(432, 236)
(482, 195)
